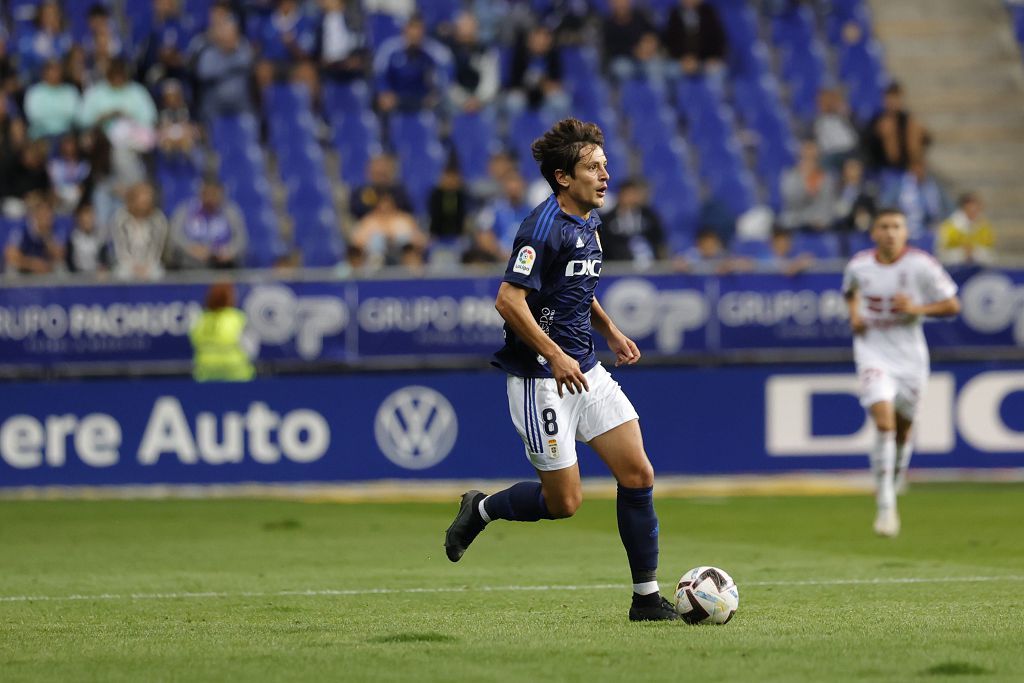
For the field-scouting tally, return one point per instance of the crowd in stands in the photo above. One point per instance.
(127, 131)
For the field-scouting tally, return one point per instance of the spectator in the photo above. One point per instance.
(208, 232)
(833, 130)
(628, 34)
(288, 36)
(918, 195)
(76, 69)
(783, 258)
(536, 73)
(25, 175)
(967, 237)
(475, 82)
(68, 172)
(382, 175)
(694, 37)
(808, 193)
(489, 188)
(223, 346)
(176, 134)
(632, 231)
(9, 84)
(122, 107)
(166, 45)
(855, 199)
(51, 104)
(385, 231)
(102, 44)
(499, 221)
(48, 40)
(412, 70)
(33, 247)
(87, 250)
(140, 236)
(448, 208)
(341, 43)
(354, 265)
(111, 173)
(895, 137)
(222, 67)
(709, 252)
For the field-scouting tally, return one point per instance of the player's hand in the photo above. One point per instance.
(858, 326)
(901, 303)
(626, 352)
(566, 371)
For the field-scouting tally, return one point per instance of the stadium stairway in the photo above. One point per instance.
(964, 77)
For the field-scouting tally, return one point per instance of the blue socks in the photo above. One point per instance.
(522, 502)
(638, 529)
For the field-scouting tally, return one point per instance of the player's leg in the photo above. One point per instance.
(546, 423)
(622, 450)
(904, 450)
(883, 464)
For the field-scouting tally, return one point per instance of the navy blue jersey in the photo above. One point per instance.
(557, 257)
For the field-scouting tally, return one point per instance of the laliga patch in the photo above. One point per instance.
(524, 261)
(553, 447)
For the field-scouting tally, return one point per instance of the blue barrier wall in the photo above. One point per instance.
(671, 315)
(430, 425)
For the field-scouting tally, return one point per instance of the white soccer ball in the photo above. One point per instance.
(707, 595)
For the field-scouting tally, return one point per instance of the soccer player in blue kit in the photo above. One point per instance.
(558, 392)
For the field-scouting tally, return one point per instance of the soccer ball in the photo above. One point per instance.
(707, 595)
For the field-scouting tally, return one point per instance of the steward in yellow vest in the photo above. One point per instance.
(217, 339)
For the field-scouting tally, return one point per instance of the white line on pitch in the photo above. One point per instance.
(484, 589)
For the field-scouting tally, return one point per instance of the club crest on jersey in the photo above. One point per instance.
(524, 261)
(591, 267)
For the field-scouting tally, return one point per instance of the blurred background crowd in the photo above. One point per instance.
(142, 136)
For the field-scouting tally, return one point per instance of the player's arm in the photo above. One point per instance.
(626, 352)
(511, 305)
(857, 324)
(945, 308)
(939, 290)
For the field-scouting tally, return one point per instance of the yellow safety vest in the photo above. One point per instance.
(217, 341)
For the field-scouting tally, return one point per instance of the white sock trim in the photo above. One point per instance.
(645, 588)
(483, 512)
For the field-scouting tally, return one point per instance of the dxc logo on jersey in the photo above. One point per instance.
(277, 315)
(591, 267)
(991, 303)
(416, 427)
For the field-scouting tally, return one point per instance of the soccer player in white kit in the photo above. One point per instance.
(889, 290)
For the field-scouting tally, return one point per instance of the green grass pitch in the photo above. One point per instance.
(252, 590)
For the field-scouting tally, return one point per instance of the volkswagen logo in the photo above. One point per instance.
(416, 427)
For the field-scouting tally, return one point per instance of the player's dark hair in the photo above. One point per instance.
(888, 211)
(562, 146)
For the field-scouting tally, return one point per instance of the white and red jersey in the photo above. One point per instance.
(894, 342)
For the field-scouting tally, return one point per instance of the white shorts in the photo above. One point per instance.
(550, 426)
(903, 391)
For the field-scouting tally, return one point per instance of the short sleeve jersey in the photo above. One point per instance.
(894, 341)
(557, 257)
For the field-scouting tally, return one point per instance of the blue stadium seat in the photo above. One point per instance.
(524, 128)
(758, 250)
(382, 26)
(356, 138)
(474, 140)
(821, 245)
(345, 99)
